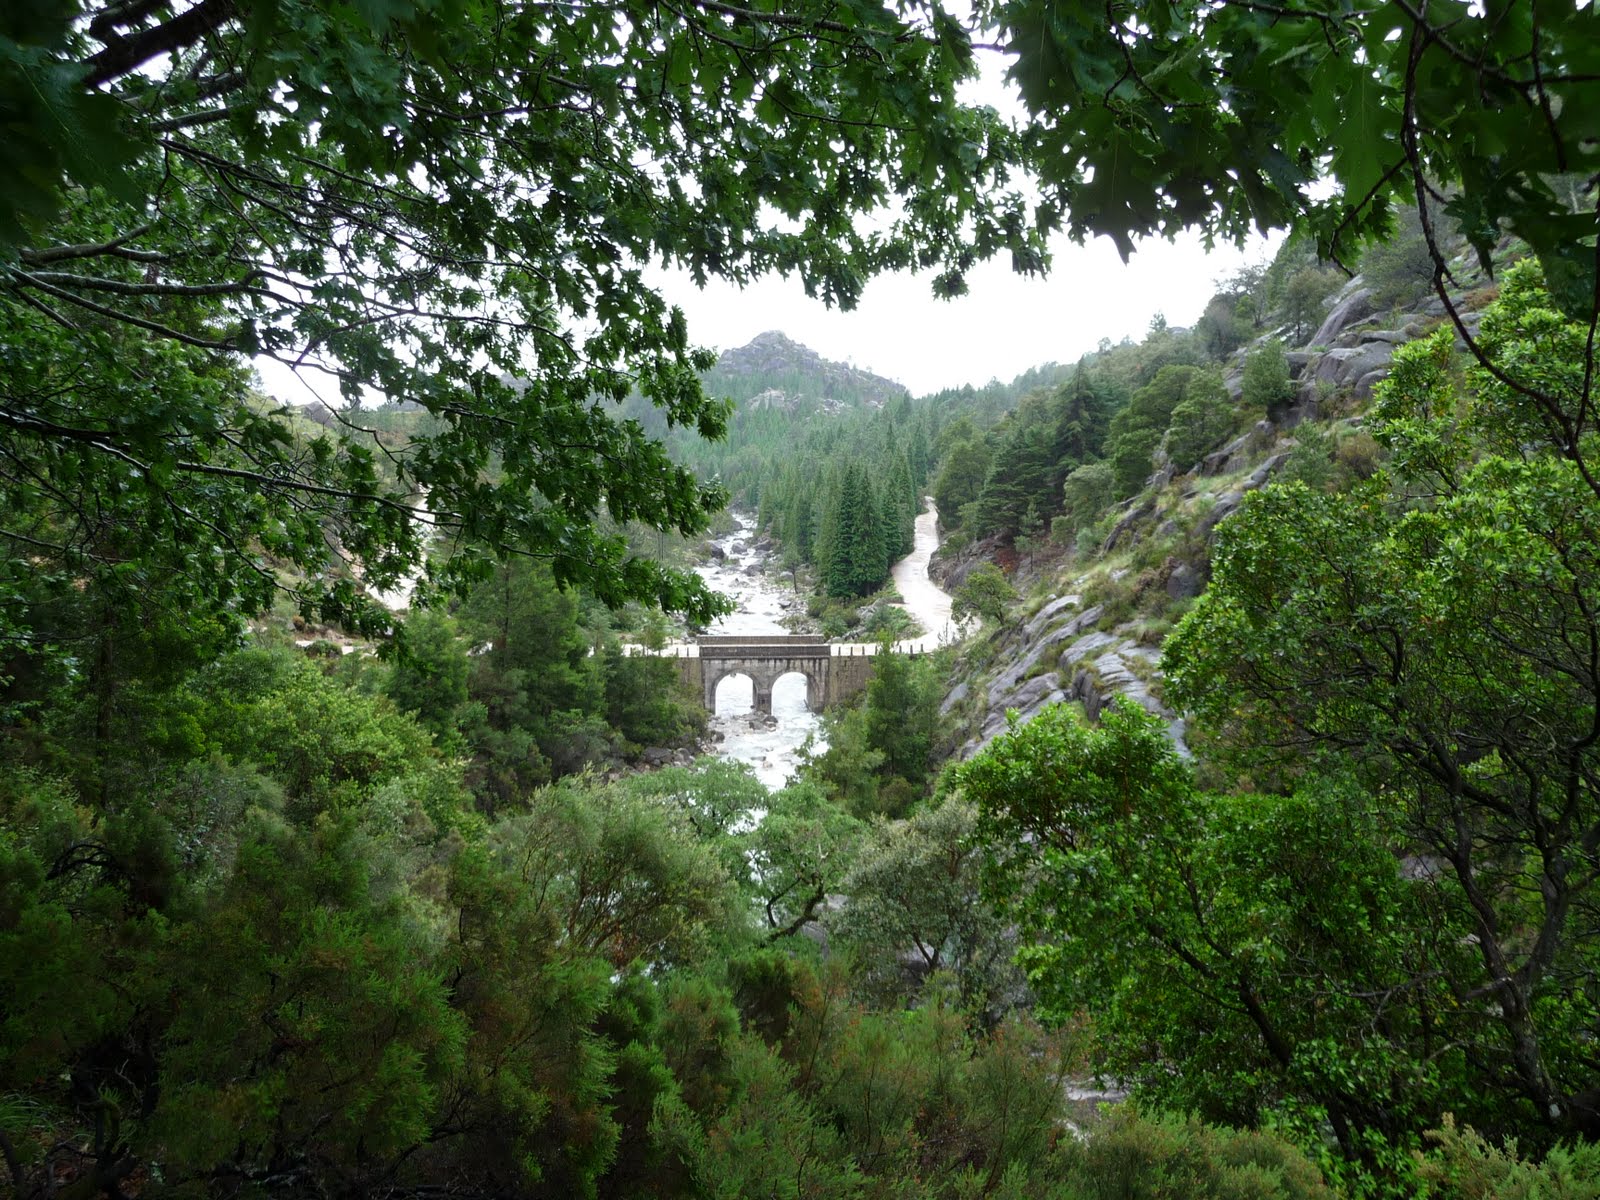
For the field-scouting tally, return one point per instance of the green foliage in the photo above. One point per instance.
(1399, 269)
(901, 713)
(392, 200)
(1136, 431)
(1382, 103)
(1199, 423)
(1466, 574)
(621, 875)
(960, 479)
(857, 562)
(1462, 1165)
(880, 754)
(1311, 460)
(430, 678)
(1305, 299)
(1231, 951)
(985, 592)
(288, 976)
(1088, 492)
(940, 918)
(1266, 377)
(1138, 1155)
(796, 856)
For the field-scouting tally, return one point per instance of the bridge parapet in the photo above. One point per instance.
(754, 650)
(762, 639)
(834, 671)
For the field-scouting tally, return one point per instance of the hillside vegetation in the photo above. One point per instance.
(1289, 854)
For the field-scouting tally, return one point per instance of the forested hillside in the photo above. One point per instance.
(349, 849)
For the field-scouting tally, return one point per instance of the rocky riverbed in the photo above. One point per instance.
(739, 569)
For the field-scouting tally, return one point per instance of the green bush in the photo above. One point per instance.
(1182, 1158)
(1266, 377)
(1463, 1166)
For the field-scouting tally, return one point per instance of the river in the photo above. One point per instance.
(772, 748)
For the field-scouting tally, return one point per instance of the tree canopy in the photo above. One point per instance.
(444, 205)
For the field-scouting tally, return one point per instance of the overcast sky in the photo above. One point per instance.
(1003, 326)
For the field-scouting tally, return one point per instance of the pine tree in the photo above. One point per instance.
(857, 562)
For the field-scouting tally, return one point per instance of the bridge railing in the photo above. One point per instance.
(775, 646)
(763, 639)
(812, 649)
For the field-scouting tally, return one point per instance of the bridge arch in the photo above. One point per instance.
(763, 674)
(810, 686)
(713, 687)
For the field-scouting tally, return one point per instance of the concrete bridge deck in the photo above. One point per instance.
(833, 671)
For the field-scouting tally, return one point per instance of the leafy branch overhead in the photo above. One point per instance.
(447, 205)
(1151, 118)
(450, 204)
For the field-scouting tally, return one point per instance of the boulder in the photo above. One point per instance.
(1046, 615)
(1471, 321)
(1340, 367)
(1304, 408)
(1363, 386)
(1185, 582)
(1089, 645)
(1035, 693)
(956, 696)
(1122, 527)
(1222, 509)
(1216, 462)
(1258, 477)
(1346, 311)
(1299, 360)
(1009, 679)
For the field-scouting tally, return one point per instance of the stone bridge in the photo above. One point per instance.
(833, 671)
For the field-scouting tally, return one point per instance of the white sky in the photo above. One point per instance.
(1003, 326)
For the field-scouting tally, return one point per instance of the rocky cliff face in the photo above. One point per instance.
(1096, 632)
(775, 372)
